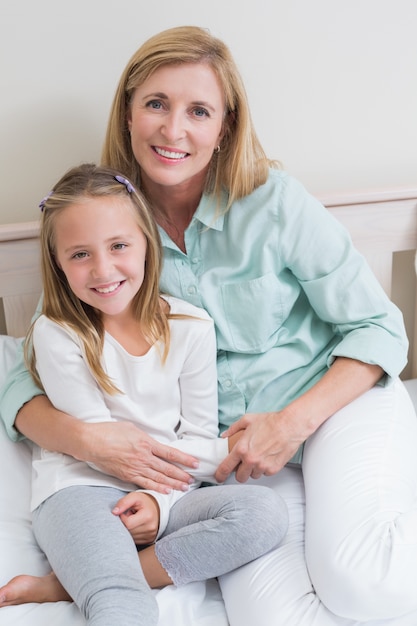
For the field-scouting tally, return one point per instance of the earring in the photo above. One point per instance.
(217, 149)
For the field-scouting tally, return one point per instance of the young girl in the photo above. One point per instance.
(109, 347)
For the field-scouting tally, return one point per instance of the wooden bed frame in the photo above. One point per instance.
(383, 226)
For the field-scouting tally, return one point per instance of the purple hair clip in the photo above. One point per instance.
(45, 200)
(125, 182)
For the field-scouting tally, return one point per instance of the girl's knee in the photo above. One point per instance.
(127, 605)
(265, 517)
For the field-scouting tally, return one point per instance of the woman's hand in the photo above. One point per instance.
(267, 442)
(123, 450)
(116, 448)
(139, 512)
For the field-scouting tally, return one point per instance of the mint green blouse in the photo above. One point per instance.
(288, 294)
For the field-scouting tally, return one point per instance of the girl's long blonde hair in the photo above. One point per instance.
(61, 305)
(241, 164)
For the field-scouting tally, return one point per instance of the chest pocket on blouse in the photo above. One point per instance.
(254, 311)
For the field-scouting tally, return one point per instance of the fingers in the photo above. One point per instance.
(227, 466)
(173, 455)
(125, 503)
(242, 474)
(164, 479)
(163, 475)
(139, 513)
(123, 450)
(234, 428)
(237, 449)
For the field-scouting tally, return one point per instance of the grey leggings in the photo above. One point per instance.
(211, 531)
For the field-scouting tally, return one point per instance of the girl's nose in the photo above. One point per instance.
(101, 267)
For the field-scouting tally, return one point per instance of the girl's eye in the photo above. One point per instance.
(119, 246)
(79, 255)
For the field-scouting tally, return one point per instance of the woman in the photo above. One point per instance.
(309, 349)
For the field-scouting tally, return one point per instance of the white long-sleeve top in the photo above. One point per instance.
(174, 402)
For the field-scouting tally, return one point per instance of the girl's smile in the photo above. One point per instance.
(110, 289)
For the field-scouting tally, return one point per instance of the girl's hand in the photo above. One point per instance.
(139, 512)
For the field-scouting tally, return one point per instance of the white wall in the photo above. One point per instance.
(332, 83)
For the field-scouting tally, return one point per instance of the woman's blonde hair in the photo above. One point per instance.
(59, 301)
(241, 164)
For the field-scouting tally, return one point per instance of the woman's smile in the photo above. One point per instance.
(171, 155)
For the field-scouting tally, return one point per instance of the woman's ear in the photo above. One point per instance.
(129, 119)
(228, 121)
(222, 133)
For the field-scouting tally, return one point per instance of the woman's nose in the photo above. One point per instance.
(173, 127)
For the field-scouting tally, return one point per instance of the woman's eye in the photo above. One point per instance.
(155, 104)
(200, 112)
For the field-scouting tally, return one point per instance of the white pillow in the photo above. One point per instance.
(18, 549)
(19, 552)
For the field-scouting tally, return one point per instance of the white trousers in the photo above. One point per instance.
(350, 556)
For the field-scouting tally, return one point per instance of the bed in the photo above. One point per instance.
(383, 226)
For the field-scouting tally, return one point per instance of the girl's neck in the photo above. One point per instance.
(127, 331)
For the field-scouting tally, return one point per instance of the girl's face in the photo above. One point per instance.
(176, 120)
(101, 250)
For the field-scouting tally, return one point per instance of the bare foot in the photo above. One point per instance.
(24, 588)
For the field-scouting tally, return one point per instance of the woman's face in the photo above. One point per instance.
(176, 121)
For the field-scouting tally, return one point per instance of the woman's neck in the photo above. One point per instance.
(173, 207)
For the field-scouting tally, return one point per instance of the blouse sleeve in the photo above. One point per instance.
(19, 388)
(339, 283)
